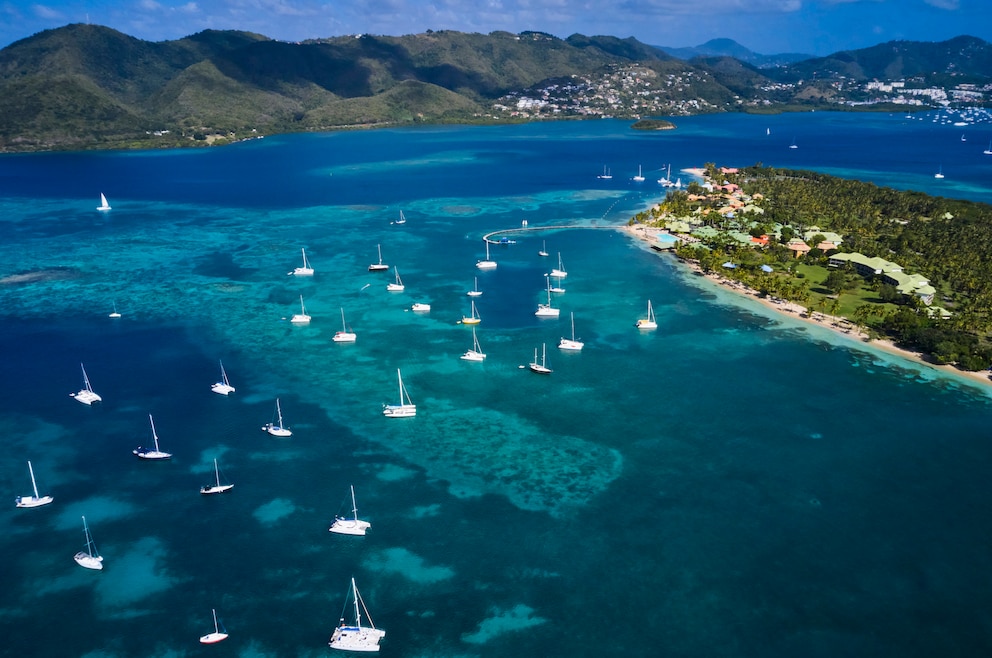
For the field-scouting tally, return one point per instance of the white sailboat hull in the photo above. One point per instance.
(32, 501)
(356, 638)
(355, 527)
(151, 454)
(88, 561)
(299, 318)
(421, 307)
(466, 320)
(561, 274)
(275, 430)
(216, 488)
(646, 324)
(399, 410)
(539, 369)
(395, 287)
(301, 271)
(545, 311)
(87, 397)
(567, 344)
(213, 638)
(474, 293)
(378, 267)
(472, 355)
(222, 388)
(486, 264)
(344, 337)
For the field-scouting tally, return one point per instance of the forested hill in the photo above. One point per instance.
(87, 86)
(84, 85)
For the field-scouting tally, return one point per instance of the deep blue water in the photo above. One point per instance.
(733, 484)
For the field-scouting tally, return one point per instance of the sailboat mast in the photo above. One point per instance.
(216, 627)
(154, 435)
(33, 484)
(354, 505)
(358, 614)
(279, 412)
(216, 475)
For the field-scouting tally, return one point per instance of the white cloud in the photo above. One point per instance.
(47, 13)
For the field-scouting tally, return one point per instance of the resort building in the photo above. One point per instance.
(889, 272)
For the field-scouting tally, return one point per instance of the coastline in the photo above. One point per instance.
(838, 325)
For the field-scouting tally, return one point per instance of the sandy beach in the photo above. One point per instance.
(839, 325)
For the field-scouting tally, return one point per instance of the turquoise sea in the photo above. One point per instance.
(732, 484)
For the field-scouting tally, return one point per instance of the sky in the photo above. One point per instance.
(768, 27)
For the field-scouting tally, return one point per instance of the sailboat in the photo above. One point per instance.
(474, 318)
(152, 454)
(217, 635)
(90, 558)
(606, 175)
(356, 637)
(216, 487)
(560, 270)
(475, 292)
(542, 367)
(224, 385)
(544, 249)
(666, 180)
(306, 270)
(114, 314)
(988, 151)
(401, 220)
(639, 178)
(557, 287)
(396, 286)
(380, 266)
(301, 317)
(547, 310)
(103, 203)
(476, 353)
(35, 500)
(421, 307)
(276, 428)
(649, 321)
(86, 394)
(940, 172)
(353, 526)
(571, 343)
(344, 336)
(406, 408)
(793, 144)
(486, 264)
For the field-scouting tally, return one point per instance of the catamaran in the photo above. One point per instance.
(571, 343)
(152, 454)
(35, 500)
(344, 336)
(90, 558)
(486, 264)
(649, 321)
(420, 307)
(356, 637)
(396, 286)
(474, 318)
(475, 292)
(276, 428)
(222, 387)
(406, 408)
(547, 310)
(301, 317)
(103, 203)
(380, 266)
(476, 353)
(216, 487)
(306, 270)
(542, 367)
(560, 270)
(86, 394)
(352, 526)
(217, 635)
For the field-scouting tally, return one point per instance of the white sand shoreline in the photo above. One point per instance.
(841, 326)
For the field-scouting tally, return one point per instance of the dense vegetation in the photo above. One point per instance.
(87, 86)
(946, 240)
